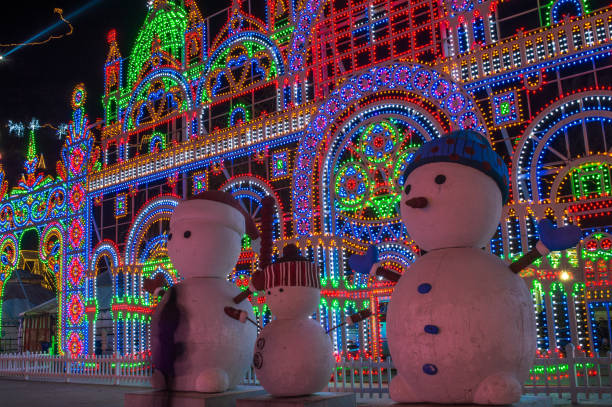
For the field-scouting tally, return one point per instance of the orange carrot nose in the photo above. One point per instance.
(419, 202)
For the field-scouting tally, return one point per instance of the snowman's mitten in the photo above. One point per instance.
(362, 264)
(553, 239)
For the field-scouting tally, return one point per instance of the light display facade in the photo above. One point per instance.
(321, 104)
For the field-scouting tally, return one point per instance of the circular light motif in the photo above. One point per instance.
(364, 83)
(378, 142)
(347, 93)
(351, 185)
(606, 244)
(440, 89)
(303, 226)
(79, 96)
(383, 77)
(332, 106)
(456, 103)
(402, 75)
(468, 120)
(591, 245)
(302, 204)
(320, 122)
(422, 79)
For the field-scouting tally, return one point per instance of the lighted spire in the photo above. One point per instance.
(113, 51)
(195, 17)
(31, 153)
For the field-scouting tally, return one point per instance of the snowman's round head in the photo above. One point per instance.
(205, 235)
(291, 285)
(293, 302)
(454, 191)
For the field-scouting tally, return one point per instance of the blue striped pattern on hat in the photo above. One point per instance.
(464, 147)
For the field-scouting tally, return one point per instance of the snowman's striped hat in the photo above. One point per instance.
(291, 270)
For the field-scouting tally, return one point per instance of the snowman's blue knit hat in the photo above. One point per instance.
(465, 147)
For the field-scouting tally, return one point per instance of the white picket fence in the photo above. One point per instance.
(92, 369)
(572, 375)
(362, 376)
(575, 374)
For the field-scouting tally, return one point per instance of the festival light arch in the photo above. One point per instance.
(434, 95)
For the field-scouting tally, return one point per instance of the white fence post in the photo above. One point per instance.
(570, 354)
(117, 371)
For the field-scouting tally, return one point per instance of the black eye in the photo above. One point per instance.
(169, 236)
(440, 179)
(280, 290)
(407, 189)
(187, 234)
(269, 292)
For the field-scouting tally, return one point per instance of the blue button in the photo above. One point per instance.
(430, 369)
(432, 329)
(424, 288)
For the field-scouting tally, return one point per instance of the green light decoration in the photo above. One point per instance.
(591, 180)
(554, 259)
(596, 253)
(379, 141)
(582, 319)
(504, 108)
(243, 110)
(283, 34)
(168, 23)
(246, 242)
(572, 257)
(386, 205)
(252, 49)
(368, 184)
(31, 153)
(352, 186)
(152, 265)
(250, 63)
(155, 139)
(582, 6)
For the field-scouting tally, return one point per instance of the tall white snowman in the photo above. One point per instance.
(195, 347)
(293, 354)
(460, 323)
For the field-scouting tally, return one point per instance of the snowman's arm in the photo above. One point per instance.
(532, 255)
(353, 319)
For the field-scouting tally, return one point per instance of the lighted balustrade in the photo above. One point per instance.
(529, 49)
(206, 146)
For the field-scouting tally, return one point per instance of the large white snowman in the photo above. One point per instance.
(460, 323)
(195, 347)
(293, 354)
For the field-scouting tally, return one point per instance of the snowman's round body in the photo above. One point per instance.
(293, 357)
(215, 351)
(458, 321)
(196, 345)
(460, 324)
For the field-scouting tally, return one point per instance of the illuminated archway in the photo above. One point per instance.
(443, 105)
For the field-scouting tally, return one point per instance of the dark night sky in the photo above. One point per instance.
(37, 81)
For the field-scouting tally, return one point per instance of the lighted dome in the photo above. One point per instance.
(167, 22)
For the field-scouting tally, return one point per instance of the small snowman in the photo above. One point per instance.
(293, 354)
(195, 347)
(460, 321)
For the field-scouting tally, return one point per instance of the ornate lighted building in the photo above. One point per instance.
(320, 104)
